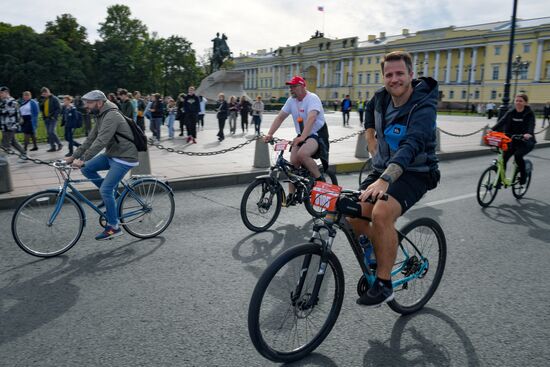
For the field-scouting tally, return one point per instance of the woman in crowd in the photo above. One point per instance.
(257, 111)
(244, 109)
(221, 113)
(29, 110)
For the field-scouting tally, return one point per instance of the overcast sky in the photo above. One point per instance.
(255, 24)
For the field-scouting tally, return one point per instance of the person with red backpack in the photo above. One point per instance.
(119, 157)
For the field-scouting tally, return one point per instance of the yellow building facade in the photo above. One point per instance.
(469, 63)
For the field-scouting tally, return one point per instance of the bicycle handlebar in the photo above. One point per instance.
(355, 194)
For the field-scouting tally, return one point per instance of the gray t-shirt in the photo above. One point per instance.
(391, 113)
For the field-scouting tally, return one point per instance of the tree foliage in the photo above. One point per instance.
(127, 56)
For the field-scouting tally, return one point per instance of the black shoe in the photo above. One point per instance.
(51, 150)
(69, 154)
(60, 146)
(290, 200)
(376, 295)
(34, 149)
(181, 134)
(522, 179)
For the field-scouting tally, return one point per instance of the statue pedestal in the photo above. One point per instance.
(228, 82)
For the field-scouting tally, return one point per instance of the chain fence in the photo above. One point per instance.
(461, 135)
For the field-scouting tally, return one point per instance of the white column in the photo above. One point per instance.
(538, 66)
(325, 82)
(436, 66)
(474, 61)
(350, 72)
(255, 72)
(318, 81)
(426, 60)
(341, 72)
(460, 66)
(273, 77)
(247, 79)
(448, 71)
(292, 73)
(415, 60)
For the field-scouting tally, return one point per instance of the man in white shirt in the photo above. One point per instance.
(312, 132)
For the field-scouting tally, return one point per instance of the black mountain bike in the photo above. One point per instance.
(265, 196)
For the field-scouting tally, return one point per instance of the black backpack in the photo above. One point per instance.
(139, 138)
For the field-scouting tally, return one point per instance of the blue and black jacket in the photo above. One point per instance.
(409, 140)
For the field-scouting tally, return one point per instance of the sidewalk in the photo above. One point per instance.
(235, 167)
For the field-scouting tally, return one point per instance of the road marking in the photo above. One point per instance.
(444, 201)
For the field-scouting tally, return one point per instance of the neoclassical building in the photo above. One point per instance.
(469, 62)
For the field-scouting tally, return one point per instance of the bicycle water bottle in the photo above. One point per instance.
(368, 250)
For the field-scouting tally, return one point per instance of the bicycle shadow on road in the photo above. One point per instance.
(532, 213)
(410, 345)
(314, 359)
(30, 304)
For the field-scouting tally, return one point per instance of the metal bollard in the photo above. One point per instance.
(144, 167)
(5, 177)
(547, 134)
(261, 155)
(483, 133)
(361, 148)
(437, 140)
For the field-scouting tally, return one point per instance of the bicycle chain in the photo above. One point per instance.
(461, 135)
(26, 158)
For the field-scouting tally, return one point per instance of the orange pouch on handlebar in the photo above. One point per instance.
(325, 195)
(497, 139)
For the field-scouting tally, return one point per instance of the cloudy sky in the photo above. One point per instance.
(255, 24)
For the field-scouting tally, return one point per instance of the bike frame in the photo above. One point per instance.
(67, 184)
(501, 173)
(337, 219)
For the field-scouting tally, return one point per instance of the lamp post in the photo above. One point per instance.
(469, 68)
(517, 67)
(506, 95)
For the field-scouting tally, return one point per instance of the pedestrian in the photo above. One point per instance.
(221, 113)
(71, 119)
(546, 114)
(157, 114)
(335, 105)
(233, 112)
(113, 98)
(361, 110)
(202, 112)
(171, 109)
(345, 107)
(257, 112)
(244, 109)
(51, 108)
(86, 118)
(191, 108)
(140, 110)
(126, 106)
(490, 110)
(29, 110)
(9, 121)
(180, 113)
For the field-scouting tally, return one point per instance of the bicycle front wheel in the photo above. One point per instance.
(487, 186)
(35, 235)
(316, 212)
(283, 326)
(419, 265)
(148, 209)
(261, 204)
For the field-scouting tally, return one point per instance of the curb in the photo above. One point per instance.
(204, 182)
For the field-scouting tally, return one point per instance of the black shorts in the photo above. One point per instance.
(407, 190)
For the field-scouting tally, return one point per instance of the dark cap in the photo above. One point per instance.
(4, 89)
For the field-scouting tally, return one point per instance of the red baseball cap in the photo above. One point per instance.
(296, 80)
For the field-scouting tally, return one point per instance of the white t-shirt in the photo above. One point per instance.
(311, 102)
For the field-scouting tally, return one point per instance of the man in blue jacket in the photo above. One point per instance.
(400, 130)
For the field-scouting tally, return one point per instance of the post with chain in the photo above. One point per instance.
(144, 167)
(547, 135)
(437, 140)
(483, 133)
(361, 148)
(261, 154)
(5, 176)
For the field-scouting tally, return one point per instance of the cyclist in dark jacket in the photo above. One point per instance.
(519, 120)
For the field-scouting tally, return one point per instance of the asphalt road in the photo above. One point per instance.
(182, 299)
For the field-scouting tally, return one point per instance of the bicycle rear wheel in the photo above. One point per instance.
(283, 328)
(487, 186)
(148, 209)
(330, 177)
(35, 236)
(419, 265)
(261, 204)
(519, 190)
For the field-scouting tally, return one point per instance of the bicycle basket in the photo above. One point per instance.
(497, 139)
(324, 195)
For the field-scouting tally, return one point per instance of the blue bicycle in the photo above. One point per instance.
(50, 222)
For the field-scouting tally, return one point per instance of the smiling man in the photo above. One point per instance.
(400, 130)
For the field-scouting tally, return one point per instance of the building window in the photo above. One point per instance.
(526, 48)
(368, 78)
(523, 72)
(360, 78)
(359, 94)
(495, 72)
(497, 50)
(493, 94)
(463, 94)
(451, 94)
(367, 95)
(361, 59)
(376, 78)
(476, 94)
(377, 59)
(368, 60)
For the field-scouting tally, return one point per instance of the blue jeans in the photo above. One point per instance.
(107, 185)
(155, 126)
(69, 138)
(50, 129)
(171, 119)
